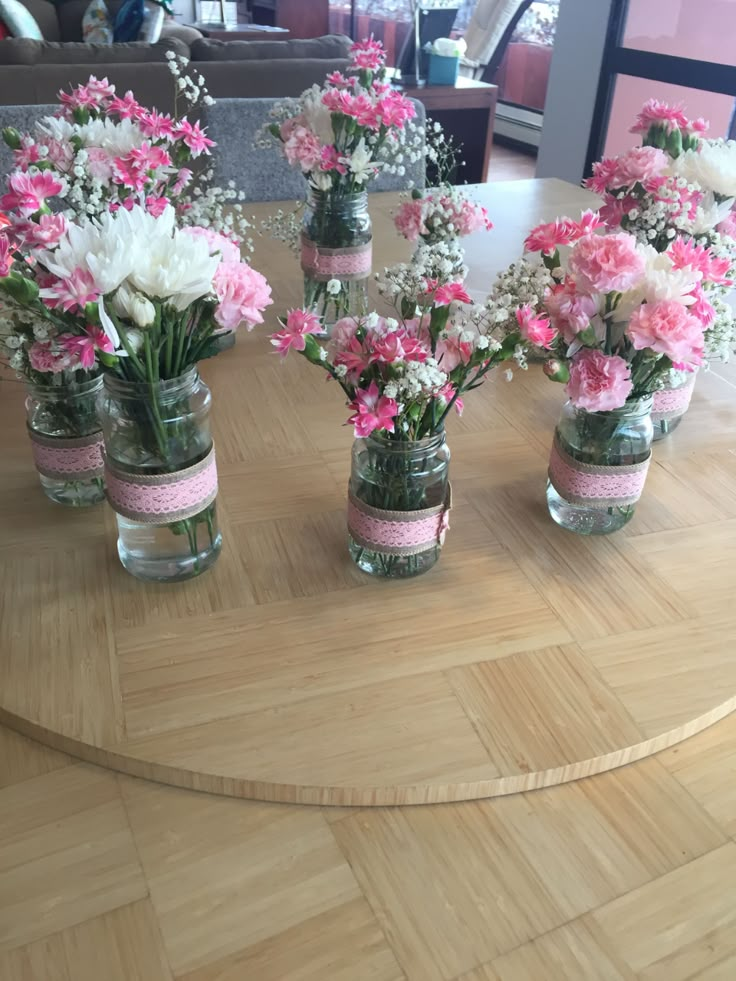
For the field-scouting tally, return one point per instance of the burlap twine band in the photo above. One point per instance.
(158, 499)
(67, 458)
(596, 487)
(398, 532)
(350, 263)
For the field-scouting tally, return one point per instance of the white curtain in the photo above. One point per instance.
(487, 25)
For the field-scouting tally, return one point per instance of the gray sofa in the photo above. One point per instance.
(32, 72)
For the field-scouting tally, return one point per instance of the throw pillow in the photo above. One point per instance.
(128, 21)
(153, 21)
(96, 24)
(18, 20)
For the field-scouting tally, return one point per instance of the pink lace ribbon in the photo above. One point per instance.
(62, 458)
(350, 263)
(597, 487)
(398, 532)
(670, 403)
(158, 499)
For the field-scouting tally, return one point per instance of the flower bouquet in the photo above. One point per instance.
(621, 316)
(401, 378)
(440, 215)
(63, 424)
(678, 184)
(133, 290)
(340, 137)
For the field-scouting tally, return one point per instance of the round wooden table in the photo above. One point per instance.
(529, 656)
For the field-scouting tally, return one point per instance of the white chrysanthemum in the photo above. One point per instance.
(56, 128)
(713, 166)
(660, 282)
(134, 306)
(118, 138)
(709, 213)
(166, 263)
(317, 115)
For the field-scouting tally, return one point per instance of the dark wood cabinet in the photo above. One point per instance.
(302, 18)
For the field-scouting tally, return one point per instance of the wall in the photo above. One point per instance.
(573, 83)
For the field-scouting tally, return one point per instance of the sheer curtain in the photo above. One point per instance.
(487, 25)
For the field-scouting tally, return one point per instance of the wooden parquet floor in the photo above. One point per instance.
(626, 875)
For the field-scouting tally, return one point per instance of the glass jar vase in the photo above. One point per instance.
(161, 475)
(336, 254)
(66, 439)
(670, 403)
(598, 466)
(399, 502)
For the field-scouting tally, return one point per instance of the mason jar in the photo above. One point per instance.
(161, 475)
(398, 505)
(336, 254)
(66, 439)
(670, 403)
(598, 466)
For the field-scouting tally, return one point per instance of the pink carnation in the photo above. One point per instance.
(570, 312)
(84, 347)
(685, 254)
(100, 163)
(71, 294)
(549, 236)
(667, 327)
(409, 219)
(330, 159)
(228, 250)
(28, 194)
(368, 54)
(372, 411)
(43, 357)
(638, 165)
(656, 113)
(303, 149)
(598, 382)
(242, 293)
(728, 225)
(6, 256)
(535, 330)
(45, 232)
(194, 136)
(452, 351)
(451, 293)
(395, 109)
(127, 107)
(606, 263)
(298, 324)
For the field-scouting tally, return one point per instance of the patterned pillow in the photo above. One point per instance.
(96, 24)
(19, 21)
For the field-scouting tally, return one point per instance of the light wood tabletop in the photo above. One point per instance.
(528, 657)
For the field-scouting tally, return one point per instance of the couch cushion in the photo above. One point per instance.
(24, 51)
(44, 13)
(331, 46)
(181, 32)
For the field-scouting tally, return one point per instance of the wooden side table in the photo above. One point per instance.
(466, 111)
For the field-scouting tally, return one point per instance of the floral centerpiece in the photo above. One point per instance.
(341, 136)
(401, 378)
(440, 215)
(129, 287)
(680, 184)
(620, 315)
